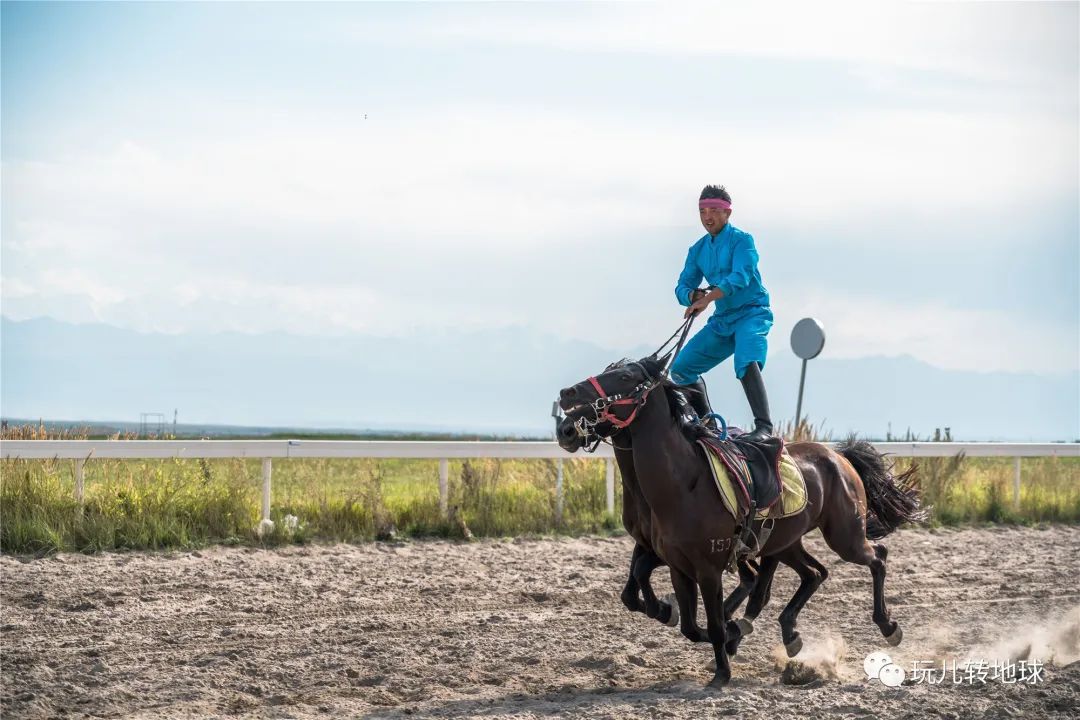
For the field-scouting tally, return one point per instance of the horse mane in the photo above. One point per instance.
(618, 364)
(673, 404)
(670, 388)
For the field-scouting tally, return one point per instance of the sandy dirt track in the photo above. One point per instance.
(524, 628)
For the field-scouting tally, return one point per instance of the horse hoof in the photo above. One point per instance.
(896, 637)
(793, 647)
(718, 682)
(674, 619)
(745, 626)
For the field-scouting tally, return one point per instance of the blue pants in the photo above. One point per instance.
(710, 347)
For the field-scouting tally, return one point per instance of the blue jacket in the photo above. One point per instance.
(728, 261)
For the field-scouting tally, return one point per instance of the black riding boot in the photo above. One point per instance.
(699, 398)
(693, 417)
(754, 388)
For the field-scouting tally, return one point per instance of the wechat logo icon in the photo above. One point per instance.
(879, 666)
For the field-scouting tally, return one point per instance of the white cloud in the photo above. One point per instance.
(137, 236)
(491, 175)
(505, 212)
(1014, 41)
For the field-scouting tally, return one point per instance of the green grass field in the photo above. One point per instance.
(174, 503)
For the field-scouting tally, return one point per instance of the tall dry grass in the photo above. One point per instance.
(188, 503)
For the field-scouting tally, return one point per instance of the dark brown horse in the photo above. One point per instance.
(638, 594)
(637, 519)
(694, 534)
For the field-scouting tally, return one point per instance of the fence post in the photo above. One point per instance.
(444, 492)
(79, 479)
(559, 493)
(610, 473)
(1016, 484)
(267, 523)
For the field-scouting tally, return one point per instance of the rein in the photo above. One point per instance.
(603, 404)
(669, 358)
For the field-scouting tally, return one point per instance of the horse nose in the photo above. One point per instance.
(566, 430)
(567, 393)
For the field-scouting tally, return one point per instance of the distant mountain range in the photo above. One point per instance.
(497, 381)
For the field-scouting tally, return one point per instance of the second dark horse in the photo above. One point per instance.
(689, 529)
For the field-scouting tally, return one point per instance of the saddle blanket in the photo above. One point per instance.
(793, 487)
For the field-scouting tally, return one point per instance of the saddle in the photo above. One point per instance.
(753, 465)
(753, 477)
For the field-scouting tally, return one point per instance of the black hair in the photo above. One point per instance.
(715, 191)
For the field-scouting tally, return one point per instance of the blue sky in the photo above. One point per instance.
(909, 171)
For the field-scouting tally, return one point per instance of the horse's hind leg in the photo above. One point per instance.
(629, 594)
(843, 540)
(643, 568)
(811, 575)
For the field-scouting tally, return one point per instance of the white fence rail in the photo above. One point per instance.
(82, 450)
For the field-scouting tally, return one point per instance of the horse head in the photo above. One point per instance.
(601, 405)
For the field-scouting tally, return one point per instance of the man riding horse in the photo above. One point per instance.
(727, 259)
(673, 507)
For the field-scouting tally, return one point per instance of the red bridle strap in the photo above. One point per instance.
(605, 415)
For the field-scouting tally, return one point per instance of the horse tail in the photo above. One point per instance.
(891, 499)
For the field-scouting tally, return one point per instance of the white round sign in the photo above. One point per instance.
(807, 338)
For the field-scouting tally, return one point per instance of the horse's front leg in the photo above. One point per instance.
(712, 595)
(686, 594)
(654, 608)
(748, 574)
(629, 595)
(810, 578)
(759, 598)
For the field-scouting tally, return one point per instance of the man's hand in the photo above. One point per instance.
(701, 300)
(697, 306)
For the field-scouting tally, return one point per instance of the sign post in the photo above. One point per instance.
(807, 340)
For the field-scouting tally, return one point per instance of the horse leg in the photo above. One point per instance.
(759, 598)
(748, 573)
(813, 562)
(861, 552)
(810, 578)
(712, 595)
(643, 568)
(629, 594)
(748, 576)
(686, 593)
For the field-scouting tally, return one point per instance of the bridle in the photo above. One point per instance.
(604, 404)
(601, 407)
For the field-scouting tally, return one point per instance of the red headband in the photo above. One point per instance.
(714, 203)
